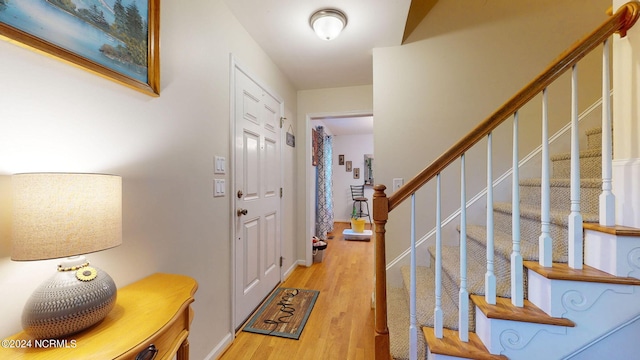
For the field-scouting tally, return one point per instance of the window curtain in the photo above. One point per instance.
(324, 184)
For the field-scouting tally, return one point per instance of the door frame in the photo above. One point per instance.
(233, 66)
(310, 193)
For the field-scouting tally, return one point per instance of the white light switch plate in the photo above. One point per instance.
(397, 183)
(219, 165)
(218, 187)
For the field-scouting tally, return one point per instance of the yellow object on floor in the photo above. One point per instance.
(357, 225)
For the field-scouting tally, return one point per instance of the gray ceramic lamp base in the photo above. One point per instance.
(64, 305)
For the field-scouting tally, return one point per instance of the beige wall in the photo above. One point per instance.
(462, 62)
(321, 102)
(55, 117)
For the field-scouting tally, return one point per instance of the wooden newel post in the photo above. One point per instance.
(380, 216)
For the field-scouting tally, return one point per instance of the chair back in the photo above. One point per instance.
(357, 191)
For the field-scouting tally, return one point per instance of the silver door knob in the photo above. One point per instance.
(241, 212)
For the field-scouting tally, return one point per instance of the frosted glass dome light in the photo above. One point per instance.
(328, 23)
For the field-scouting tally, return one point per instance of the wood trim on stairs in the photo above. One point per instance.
(617, 230)
(505, 310)
(450, 345)
(561, 271)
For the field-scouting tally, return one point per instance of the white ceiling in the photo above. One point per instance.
(347, 125)
(281, 28)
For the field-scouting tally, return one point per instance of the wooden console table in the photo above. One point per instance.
(155, 310)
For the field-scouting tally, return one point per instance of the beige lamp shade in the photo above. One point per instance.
(63, 214)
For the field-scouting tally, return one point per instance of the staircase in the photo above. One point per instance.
(531, 315)
(559, 282)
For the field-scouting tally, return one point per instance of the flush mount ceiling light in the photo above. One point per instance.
(328, 23)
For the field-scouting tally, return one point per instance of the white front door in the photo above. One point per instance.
(256, 194)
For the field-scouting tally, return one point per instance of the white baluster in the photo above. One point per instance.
(544, 242)
(517, 283)
(463, 299)
(575, 217)
(437, 312)
(490, 277)
(607, 198)
(413, 330)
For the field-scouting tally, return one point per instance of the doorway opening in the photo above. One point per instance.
(352, 135)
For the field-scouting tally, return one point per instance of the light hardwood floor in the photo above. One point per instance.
(341, 325)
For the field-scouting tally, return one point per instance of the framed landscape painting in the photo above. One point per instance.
(116, 39)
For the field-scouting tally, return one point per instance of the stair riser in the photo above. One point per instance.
(594, 141)
(499, 335)
(560, 198)
(590, 168)
(530, 230)
(616, 255)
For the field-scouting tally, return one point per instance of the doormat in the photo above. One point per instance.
(284, 314)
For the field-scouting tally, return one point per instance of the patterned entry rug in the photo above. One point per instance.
(284, 314)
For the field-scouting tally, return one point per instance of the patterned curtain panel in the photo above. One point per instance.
(324, 185)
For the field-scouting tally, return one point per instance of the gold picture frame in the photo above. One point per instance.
(121, 58)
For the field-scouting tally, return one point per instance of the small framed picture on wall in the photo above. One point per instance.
(356, 173)
(348, 166)
(340, 159)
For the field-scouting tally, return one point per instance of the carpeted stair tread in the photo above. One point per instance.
(558, 217)
(502, 242)
(593, 131)
(588, 153)
(560, 194)
(476, 269)
(398, 324)
(590, 164)
(562, 182)
(426, 298)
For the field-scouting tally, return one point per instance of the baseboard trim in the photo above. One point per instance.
(221, 347)
(289, 271)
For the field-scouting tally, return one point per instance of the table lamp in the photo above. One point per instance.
(58, 215)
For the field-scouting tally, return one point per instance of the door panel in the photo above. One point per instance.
(251, 167)
(271, 179)
(258, 177)
(251, 248)
(251, 107)
(271, 250)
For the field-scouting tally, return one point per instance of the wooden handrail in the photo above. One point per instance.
(619, 22)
